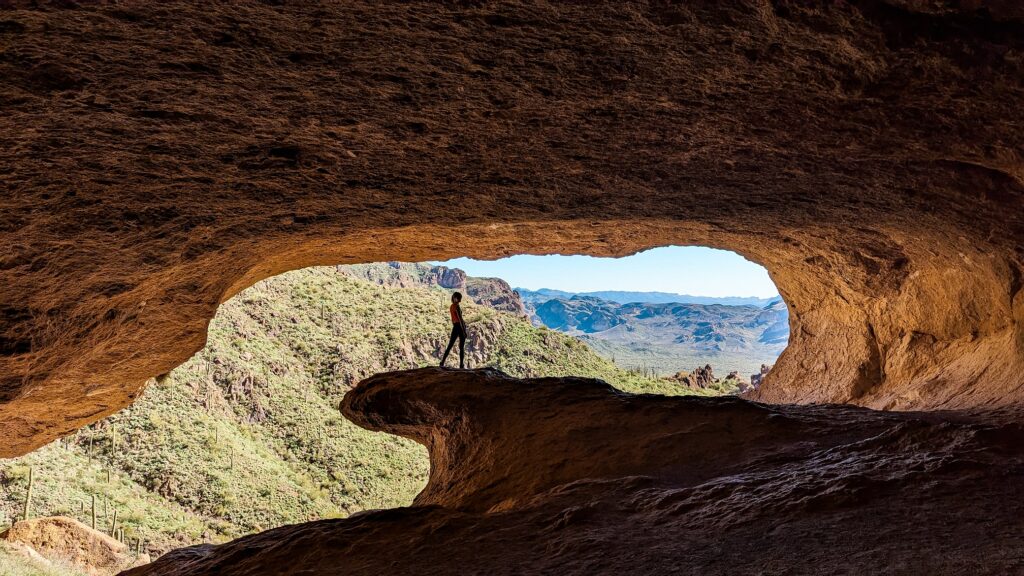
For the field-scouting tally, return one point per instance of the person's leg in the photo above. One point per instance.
(462, 347)
(451, 342)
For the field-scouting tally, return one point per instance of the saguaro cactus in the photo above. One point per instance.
(28, 495)
(93, 511)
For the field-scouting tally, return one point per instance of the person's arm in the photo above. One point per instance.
(458, 309)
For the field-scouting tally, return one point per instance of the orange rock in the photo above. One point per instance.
(868, 154)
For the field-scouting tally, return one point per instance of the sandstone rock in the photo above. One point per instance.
(867, 153)
(569, 476)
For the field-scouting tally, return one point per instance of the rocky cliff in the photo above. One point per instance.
(492, 292)
(714, 327)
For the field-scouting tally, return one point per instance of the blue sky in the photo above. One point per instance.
(691, 270)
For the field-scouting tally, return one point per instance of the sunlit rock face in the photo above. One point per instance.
(157, 158)
(569, 476)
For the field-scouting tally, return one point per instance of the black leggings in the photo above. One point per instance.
(457, 332)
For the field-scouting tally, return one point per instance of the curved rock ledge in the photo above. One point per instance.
(569, 476)
(156, 158)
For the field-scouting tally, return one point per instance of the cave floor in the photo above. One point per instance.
(569, 476)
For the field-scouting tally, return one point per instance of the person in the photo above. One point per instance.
(458, 330)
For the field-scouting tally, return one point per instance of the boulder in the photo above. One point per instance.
(700, 378)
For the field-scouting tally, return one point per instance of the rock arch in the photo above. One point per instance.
(160, 158)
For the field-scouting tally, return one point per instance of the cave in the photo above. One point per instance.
(159, 158)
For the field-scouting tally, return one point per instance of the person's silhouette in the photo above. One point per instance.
(458, 330)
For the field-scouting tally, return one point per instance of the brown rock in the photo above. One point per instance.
(742, 386)
(868, 153)
(569, 476)
(495, 293)
(756, 379)
(700, 378)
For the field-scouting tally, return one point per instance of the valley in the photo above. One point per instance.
(662, 338)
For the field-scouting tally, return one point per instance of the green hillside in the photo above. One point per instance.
(246, 435)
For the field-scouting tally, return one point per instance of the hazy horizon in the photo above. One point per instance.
(548, 288)
(688, 270)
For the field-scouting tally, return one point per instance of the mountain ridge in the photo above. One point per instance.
(653, 297)
(671, 337)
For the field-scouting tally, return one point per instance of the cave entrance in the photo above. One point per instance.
(246, 435)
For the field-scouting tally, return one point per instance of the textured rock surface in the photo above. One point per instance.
(156, 158)
(568, 476)
(699, 378)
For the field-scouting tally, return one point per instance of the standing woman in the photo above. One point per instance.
(458, 330)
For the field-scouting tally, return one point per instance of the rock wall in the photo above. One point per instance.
(157, 158)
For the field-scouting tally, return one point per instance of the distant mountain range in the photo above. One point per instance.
(657, 332)
(667, 337)
(624, 297)
(714, 327)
